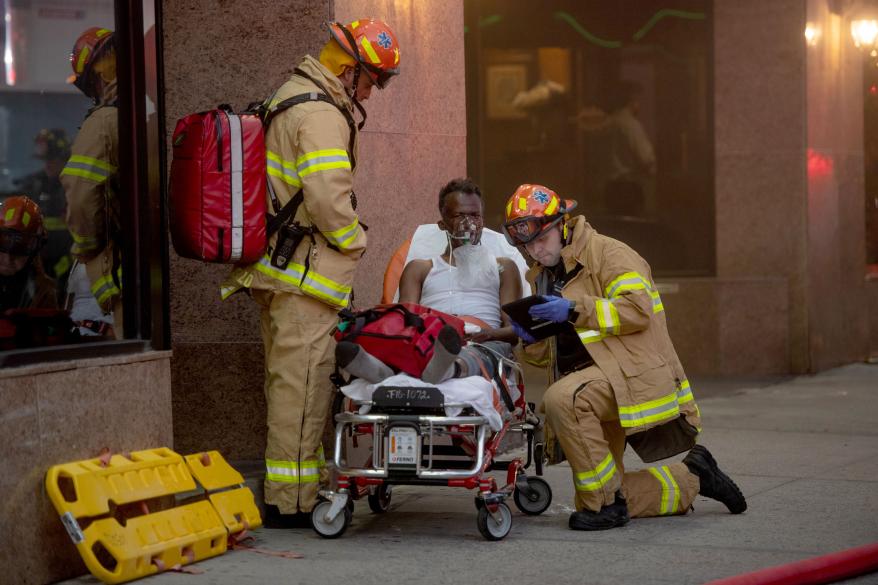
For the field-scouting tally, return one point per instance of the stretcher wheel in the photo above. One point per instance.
(489, 527)
(539, 499)
(379, 501)
(332, 529)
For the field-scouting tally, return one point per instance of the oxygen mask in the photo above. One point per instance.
(467, 230)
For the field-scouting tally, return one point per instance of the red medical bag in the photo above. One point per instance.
(400, 335)
(217, 192)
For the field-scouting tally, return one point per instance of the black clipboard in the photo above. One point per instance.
(538, 328)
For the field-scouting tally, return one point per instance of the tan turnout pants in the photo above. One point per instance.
(298, 362)
(581, 410)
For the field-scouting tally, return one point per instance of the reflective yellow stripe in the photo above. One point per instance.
(83, 55)
(104, 289)
(325, 167)
(590, 335)
(684, 392)
(370, 51)
(291, 275)
(84, 174)
(227, 291)
(10, 213)
(282, 471)
(54, 224)
(664, 408)
(627, 282)
(282, 169)
(82, 239)
(670, 501)
(25, 218)
(522, 204)
(320, 154)
(355, 24)
(314, 284)
(657, 306)
(88, 167)
(293, 471)
(608, 317)
(323, 288)
(342, 237)
(322, 160)
(589, 481)
(508, 209)
(62, 266)
(95, 162)
(553, 205)
(309, 471)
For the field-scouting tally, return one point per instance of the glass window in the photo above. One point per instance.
(68, 197)
(608, 103)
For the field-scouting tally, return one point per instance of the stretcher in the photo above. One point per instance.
(426, 435)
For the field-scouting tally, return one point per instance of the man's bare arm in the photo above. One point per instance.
(412, 280)
(510, 290)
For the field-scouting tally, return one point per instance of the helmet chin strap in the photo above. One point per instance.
(353, 95)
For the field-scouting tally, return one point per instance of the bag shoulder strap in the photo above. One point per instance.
(349, 118)
(288, 211)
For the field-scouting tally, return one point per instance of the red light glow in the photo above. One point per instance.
(819, 165)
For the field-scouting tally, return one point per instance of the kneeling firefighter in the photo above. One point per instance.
(615, 375)
(307, 273)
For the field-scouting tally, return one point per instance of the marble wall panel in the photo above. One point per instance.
(65, 414)
(838, 333)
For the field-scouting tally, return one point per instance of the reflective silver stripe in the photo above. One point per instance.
(309, 473)
(633, 415)
(670, 501)
(340, 298)
(287, 471)
(237, 176)
(317, 163)
(633, 283)
(684, 392)
(102, 173)
(590, 481)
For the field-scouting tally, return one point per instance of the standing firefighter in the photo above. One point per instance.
(89, 178)
(615, 373)
(307, 273)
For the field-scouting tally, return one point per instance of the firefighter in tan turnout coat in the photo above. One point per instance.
(305, 277)
(615, 374)
(90, 175)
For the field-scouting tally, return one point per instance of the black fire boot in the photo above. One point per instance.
(714, 483)
(274, 519)
(610, 516)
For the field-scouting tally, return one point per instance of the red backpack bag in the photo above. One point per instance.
(217, 191)
(217, 194)
(401, 335)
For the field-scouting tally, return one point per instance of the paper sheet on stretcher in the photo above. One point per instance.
(475, 391)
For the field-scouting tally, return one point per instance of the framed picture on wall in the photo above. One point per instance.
(502, 84)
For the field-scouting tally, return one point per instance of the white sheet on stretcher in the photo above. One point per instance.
(474, 391)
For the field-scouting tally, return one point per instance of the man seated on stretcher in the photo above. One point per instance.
(467, 281)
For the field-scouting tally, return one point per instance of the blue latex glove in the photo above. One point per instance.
(522, 333)
(555, 309)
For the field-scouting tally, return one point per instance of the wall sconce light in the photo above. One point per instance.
(865, 33)
(812, 34)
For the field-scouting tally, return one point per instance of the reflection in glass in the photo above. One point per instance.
(608, 103)
(59, 269)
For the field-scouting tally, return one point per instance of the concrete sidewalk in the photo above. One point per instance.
(804, 451)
